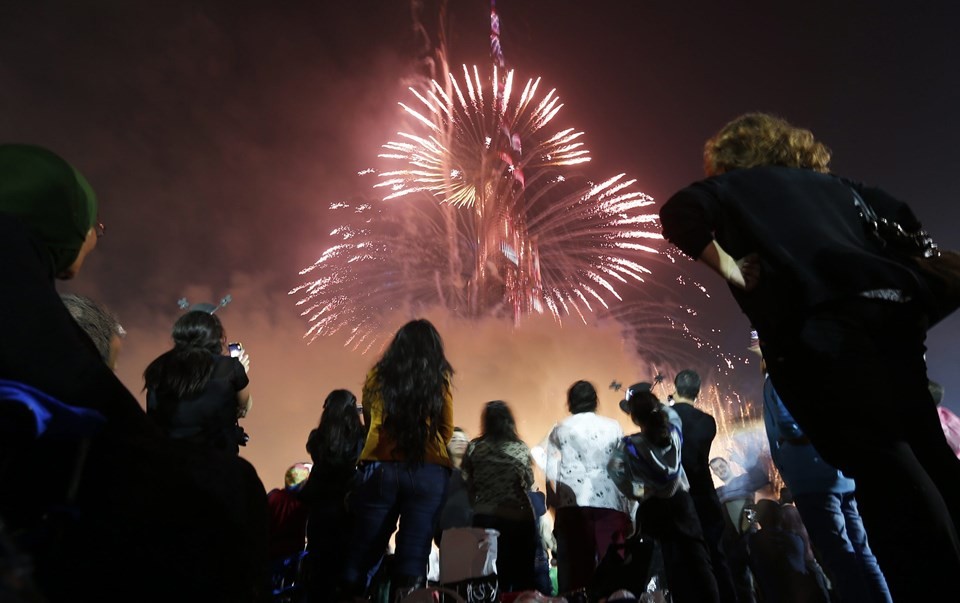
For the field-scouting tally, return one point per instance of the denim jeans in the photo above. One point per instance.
(836, 532)
(384, 493)
(855, 379)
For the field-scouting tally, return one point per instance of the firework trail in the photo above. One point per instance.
(385, 260)
(550, 241)
(513, 229)
(457, 229)
(483, 211)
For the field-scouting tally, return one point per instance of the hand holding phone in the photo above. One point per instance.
(237, 351)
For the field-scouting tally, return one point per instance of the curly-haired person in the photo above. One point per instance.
(841, 326)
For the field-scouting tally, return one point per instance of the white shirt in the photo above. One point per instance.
(578, 452)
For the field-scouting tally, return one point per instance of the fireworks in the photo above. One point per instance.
(484, 215)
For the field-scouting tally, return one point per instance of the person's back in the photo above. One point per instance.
(646, 466)
(585, 441)
(205, 418)
(808, 265)
(499, 475)
(287, 532)
(590, 511)
(699, 430)
(404, 466)
(807, 262)
(194, 392)
(499, 471)
(776, 558)
(334, 446)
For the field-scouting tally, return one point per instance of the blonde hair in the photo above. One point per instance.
(756, 139)
(296, 475)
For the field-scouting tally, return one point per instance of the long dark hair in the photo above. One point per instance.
(337, 439)
(184, 371)
(647, 413)
(497, 423)
(414, 378)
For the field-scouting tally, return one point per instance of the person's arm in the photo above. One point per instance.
(528, 471)
(445, 428)
(787, 426)
(244, 402)
(742, 274)
(244, 399)
(746, 484)
(44, 347)
(618, 470)
(688, 221)
(552, 465)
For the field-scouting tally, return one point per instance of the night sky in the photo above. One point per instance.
(216, 134)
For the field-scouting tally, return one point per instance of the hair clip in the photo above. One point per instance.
(204, 307)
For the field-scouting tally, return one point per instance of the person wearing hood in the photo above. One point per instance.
(646, 466)
(48, 226)
(96, 496)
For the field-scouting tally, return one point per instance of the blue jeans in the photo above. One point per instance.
(384, 493)
(836, 532)
(879, 426)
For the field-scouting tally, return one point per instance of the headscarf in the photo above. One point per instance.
(50, 197)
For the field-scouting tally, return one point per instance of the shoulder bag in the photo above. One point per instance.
(937, 270)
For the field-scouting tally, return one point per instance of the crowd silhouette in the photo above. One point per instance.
(100, 498)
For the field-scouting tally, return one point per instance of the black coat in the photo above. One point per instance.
(699, 429)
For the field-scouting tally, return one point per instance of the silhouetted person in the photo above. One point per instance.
(647, 467)
(334, 448)
(499, 473)
(699, 429)
(194, 391)
(404, 466)
(590, 511)
(829, 301)
(146, 516)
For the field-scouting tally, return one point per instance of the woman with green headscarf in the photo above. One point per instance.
(53, 201)
(48, 225)
(149, 514)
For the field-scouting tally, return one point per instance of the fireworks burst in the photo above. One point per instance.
(483, 215)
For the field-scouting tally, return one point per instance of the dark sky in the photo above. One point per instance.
(216, 134)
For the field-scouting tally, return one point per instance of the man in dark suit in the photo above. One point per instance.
(699, 429)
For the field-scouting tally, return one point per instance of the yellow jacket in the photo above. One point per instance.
(381, 447)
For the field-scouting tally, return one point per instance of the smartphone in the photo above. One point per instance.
(236, 348)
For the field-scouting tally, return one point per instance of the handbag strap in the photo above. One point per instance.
(870, 219)
(891, 234)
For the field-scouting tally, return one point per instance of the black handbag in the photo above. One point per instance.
(938, 271)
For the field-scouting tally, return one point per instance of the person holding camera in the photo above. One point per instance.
(646, 466)
(196, 393)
